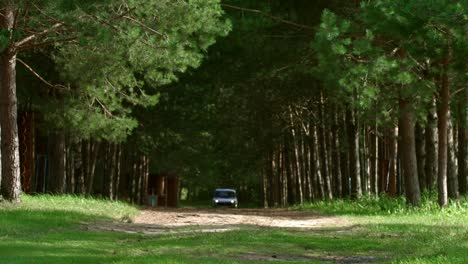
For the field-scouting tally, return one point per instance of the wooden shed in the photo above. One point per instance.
(165, 186)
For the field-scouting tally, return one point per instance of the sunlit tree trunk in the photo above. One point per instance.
(443, 116)
(374, 157)
(452, 177)
(336, 152)
(11, 186)
(323, 155)
(462, 144)
(353, 147)
(296, 158)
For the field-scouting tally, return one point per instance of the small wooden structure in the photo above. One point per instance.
(165, 186)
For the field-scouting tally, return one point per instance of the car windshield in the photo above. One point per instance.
(225, 194)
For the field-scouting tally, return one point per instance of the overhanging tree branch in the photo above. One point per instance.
(57, 86)
(279, 19)
(36, 35)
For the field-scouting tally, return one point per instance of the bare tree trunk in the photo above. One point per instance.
(111, 164)
(431, 148)
(296, 155)
(392, 170)
(71, 167)
(345, 181)
(364, 158)
(443, 116)
(452, 177)
(78, 166)
(462, 145)
(134, 178)
(265, 188)
(140, 180)
(323, 151)
(353, 145)
(421, 155)
(337, 184)
(118, 172)
(289, 172)
(374, 157)
(92, 169)
(58, 175)
(318, 172)
(409, 161)
(86, 164)
(11, 185)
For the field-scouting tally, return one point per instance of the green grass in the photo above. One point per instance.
(48, 229)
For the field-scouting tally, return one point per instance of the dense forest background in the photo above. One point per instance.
(285, 101)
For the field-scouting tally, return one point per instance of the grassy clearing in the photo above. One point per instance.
(46, 229)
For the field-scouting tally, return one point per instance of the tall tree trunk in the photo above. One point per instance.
(296, 156)
(443, 116)
(86, 163)
(140, 181)
(289, 171)
(421, 155)
(318, 171)
(431, 147)
(322, 140)
(345, 181)
(353, 145)
(462, 145)
(409, 161)
(92, 167)
(78, 167)
(336, 156)
(264, 188)
(70, 152)
(452, 179)
(58, 175)
(111, 163)
(134, 178)
(374, 157)
(11, 185)
(118, 172)
(392, 169)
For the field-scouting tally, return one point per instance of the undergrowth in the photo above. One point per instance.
(385, 205)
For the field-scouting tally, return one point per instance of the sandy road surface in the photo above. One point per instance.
(230, 217)
(181, 220)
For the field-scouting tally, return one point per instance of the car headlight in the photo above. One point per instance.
(232, 201)
(216, 201)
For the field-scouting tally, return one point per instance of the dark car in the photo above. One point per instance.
(225, 197)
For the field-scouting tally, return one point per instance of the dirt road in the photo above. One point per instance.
(161, 221)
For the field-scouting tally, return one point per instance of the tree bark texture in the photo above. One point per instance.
(421, 155)
(353, 144)
(11, 185)
(443, 116)
(452, 177)
(409, 160)
(462, 144)
(431, 164)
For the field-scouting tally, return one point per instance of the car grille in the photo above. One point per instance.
(224, 204)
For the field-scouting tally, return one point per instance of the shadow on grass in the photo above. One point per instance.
(55, 236)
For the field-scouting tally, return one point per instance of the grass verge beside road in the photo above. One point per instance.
(49, 229)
